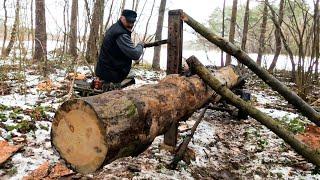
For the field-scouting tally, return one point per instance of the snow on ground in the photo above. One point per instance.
(223, 147)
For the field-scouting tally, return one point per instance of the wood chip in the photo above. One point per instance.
(6, 150)
(40, 173)
(60, 170)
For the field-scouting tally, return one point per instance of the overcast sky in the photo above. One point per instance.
(198, 9)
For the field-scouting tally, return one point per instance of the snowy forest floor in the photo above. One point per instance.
(223, 146)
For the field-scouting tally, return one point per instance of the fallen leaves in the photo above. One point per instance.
(46, 171)
(7, 150)
(78, 76)
(311, 136)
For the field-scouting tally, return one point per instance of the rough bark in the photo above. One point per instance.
(115, 124)
(232, 28)
(157, 49)
(310, 154)
(244, 58)
(5, 27)
(223, 24)
(92, 49)
(40, 53)
(73, 29)
(263, 31)
(245, 27)
(14, 30)
(277, 38)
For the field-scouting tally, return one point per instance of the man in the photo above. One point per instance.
(117, 50)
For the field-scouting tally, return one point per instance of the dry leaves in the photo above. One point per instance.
(79, 76)
(45, 171)
(6, 151)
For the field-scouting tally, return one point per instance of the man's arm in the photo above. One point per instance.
(127, 47)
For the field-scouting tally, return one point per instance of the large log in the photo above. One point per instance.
(244, 58)
(312, 155)
(92, 131)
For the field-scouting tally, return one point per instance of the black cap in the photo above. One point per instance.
(130, 15)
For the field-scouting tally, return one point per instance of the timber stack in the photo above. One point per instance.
(92, 131)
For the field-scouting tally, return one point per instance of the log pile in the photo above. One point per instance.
(96, 130)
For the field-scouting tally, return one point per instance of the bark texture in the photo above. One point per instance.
(157, 49)
(263, 31)
(245, 27)
(232, 28)
(115, 124)
(311, 155)
(244, 58)
(73, 29)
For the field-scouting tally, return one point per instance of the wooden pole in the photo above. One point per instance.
(174, 62)
(244, 58)
(310, 154)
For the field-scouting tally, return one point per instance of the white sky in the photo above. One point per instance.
(198, 9)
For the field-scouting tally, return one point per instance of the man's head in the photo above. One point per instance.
(128, 17)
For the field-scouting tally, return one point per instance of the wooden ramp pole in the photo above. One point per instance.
(311, 155)
(244, 58)
(95, 130)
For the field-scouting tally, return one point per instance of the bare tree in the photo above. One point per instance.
(110, 14)
(223, 24)
(123, 5)
(277, 37)
(232, 28)
(148, 21)
(92, 49)
(316, 41)
(245, 27)
(263, 31)
(13, 31)
(5, 27)
(73, 29)
(40, 53)
(157, 49)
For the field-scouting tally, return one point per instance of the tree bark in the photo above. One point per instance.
(263, 31)
(13, 31)
(123, 123)
(245, 27)
(40, 53)
(223, 24)
(232, 28)
(92, 49)
(157, 49)
(5, 28)
(310, 154)
(277, 38)
(73, 29)
(244, 58)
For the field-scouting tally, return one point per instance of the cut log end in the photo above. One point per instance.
(79, 136)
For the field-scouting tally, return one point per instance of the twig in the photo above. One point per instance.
(183, 146)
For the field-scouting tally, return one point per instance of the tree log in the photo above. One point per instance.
(244, 58)
(96, 130)
(310, 154)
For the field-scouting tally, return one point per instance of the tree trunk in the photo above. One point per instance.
(92, 130)
(223, 24)
(263, 31)
(92, 49)
(310, 154)
(5, 28)
(73, 28)
(245, 27)
(13, 31)
(148, 21)
(277, 38)
(244, 58)
(157, 49)
(284, 41)
(40, 53)
(232, 28)
(316, 39)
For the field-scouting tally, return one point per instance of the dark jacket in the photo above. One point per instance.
(116, 54)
